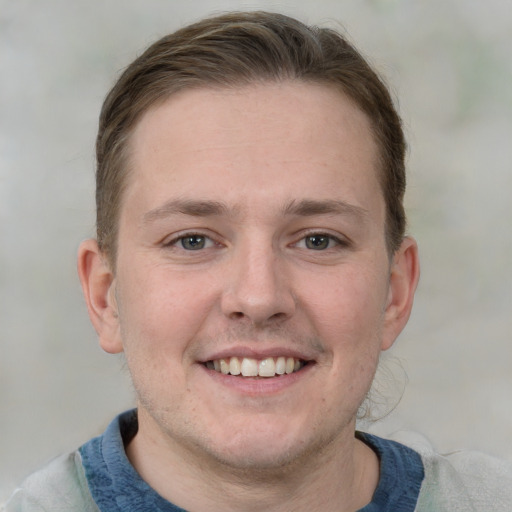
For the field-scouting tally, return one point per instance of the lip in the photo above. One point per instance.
(260, 353)
(257, 386)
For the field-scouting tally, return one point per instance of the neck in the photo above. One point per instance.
(341, 476)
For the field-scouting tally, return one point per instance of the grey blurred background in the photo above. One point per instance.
(449, 63)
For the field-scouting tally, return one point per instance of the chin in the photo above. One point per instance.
(251, 457)
(265, 448)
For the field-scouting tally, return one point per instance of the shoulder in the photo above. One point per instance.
(461, 481)
(61, 486)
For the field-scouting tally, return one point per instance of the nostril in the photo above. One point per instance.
(257, 304)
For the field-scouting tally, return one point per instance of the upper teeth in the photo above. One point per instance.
(249, 367)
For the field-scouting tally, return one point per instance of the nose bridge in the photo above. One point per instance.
(258, 287)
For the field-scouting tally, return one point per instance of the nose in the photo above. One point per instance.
(258, 288)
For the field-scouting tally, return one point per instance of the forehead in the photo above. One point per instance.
(283, 140)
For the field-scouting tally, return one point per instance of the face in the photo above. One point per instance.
(253, 290)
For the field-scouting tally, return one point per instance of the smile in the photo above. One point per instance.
(249, 367)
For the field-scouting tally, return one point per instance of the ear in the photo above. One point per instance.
(98, 285)
(404, 276)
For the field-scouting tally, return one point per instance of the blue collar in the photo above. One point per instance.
(401, 475)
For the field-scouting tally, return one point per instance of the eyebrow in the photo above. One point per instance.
(207, 208)
(195, 208)
(310, 207)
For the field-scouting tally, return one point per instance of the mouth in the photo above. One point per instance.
(249, 367)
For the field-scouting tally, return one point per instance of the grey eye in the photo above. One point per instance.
(193, 242)
(317, 242)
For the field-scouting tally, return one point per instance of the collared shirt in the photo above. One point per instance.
(116, 486)
(99, 478)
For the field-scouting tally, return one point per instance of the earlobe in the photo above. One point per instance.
(98, 285)
(404, 276)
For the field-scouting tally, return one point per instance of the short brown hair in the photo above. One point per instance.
(232, 50)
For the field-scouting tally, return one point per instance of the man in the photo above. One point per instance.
(251, 263)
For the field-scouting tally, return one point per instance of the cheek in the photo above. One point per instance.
(348, 317)
(347, 305)
(162, 310)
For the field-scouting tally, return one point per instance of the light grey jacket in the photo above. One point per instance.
(459, 482)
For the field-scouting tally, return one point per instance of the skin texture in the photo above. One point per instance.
(255, 171)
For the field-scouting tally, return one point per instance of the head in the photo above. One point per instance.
(249, 186)
(231, 51)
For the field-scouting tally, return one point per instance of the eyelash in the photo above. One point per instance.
(331, 238)
(180, 238)
(209, 241)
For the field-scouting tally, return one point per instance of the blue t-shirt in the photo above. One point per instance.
(117, 487)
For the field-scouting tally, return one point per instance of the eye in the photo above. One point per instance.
(319, 242)
(192, 242)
